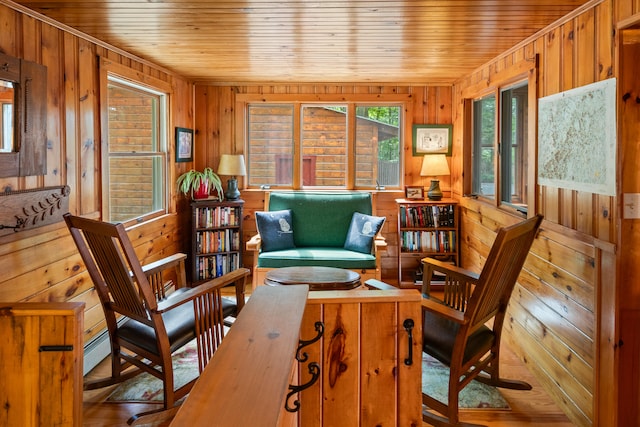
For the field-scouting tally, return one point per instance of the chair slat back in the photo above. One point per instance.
(501, 270)
(209, 325)
(113, 266)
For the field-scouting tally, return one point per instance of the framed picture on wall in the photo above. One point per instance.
(413, 193)
(432, 139)
(184, 145)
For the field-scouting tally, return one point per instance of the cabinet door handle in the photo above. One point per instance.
(408, 326)
(56, 348)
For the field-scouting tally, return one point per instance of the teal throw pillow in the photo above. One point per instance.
(275, 229)
(362, 231)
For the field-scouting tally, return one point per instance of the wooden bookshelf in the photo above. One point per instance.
(216, 238)
(425, 229)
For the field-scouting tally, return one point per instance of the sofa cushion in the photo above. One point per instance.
(276, 231)
(321, 218)
(316, 256)
(362, 231)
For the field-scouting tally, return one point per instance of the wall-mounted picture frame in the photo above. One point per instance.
(184, 145)
(432, 139)
(413, 193)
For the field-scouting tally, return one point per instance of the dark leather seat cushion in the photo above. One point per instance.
(439, 335)
(179, 323)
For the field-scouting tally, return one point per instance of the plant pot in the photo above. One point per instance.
(202, 192)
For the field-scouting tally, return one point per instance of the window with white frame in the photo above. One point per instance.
(328, 145)
(136, 157)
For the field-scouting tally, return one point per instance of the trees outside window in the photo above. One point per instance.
(500, 145)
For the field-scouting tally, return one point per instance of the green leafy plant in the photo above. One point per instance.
(189, 182)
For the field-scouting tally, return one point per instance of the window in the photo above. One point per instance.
(499, 147)
(332, 145)
(513, 146)
(135, 183)
(6, 127)
(484, 141)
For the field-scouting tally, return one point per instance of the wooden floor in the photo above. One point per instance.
(528, 408)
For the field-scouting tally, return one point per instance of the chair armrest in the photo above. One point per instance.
(163, 264)
(154, 272)
(458, 282)
(443, 310)
(379, 243)
(447, 268)
(254, 243)
(378, 285)
(236, 276)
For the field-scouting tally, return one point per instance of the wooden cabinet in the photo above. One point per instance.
(216, 238)
(425, 229)
(365, 347)
(41, 369)
(370, 358)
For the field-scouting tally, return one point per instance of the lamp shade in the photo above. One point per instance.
(232, 165)
(434, 165)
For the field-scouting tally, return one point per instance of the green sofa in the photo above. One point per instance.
(320, 221)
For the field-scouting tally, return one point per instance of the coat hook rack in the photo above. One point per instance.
(14, 227)
(32, 208)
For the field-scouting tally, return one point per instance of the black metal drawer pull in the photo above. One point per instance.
(408, 326)
(56, 348)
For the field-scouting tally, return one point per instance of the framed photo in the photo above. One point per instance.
(432, 139)
(184, 145)
(413, 193)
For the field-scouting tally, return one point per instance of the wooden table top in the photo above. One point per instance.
(318, 278)
(246, 381)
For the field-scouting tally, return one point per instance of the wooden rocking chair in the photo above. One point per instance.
(146, 323)
(455, 330)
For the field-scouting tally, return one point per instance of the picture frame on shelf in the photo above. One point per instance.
(432, 139)
(184, 145)
(413, 192)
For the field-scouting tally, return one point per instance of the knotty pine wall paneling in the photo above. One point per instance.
(629, 253)
(42, 264)
(564, 312)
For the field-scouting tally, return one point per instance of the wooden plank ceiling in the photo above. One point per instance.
(311, 41)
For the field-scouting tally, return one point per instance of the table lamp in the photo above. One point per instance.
(434, 165)
(232, 165)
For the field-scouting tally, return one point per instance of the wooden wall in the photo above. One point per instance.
(43, 264)
(629, 232)
(563, 314)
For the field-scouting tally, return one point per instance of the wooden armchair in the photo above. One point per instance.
(455, 330)
(147, 320)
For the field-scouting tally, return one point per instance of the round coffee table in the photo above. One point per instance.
(318, 278)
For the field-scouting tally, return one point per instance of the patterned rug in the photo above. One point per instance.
(147, 388)
(476, 395)
(435, 376)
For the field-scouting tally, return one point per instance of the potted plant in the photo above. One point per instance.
(198, 184)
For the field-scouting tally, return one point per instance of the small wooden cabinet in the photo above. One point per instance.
(41, 369)
(425, 229)
(216, 238)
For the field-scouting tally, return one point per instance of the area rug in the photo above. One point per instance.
(435, 377)
(147, 388)
(476, 395)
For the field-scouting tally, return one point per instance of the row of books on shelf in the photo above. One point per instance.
(218, 241)
(210, 267)
(423, 216)
(217, 216)
(428, 241)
